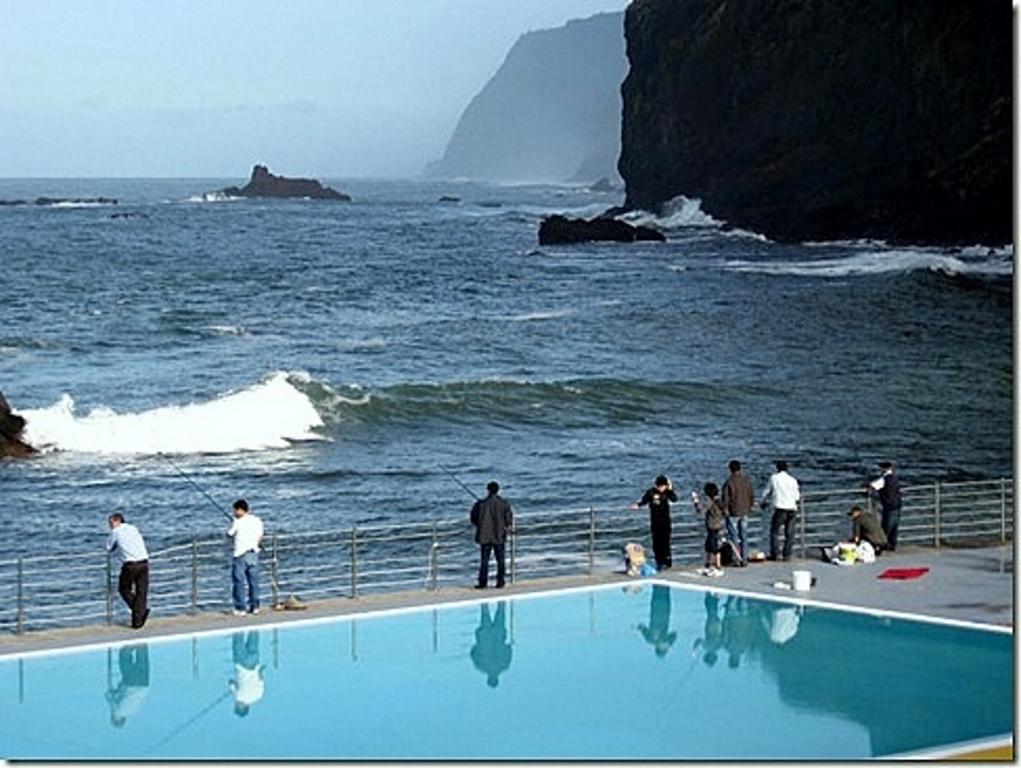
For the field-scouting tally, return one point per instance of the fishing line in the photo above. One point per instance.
(219, 507)
(457, 480)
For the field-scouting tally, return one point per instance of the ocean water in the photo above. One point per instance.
(333, 362)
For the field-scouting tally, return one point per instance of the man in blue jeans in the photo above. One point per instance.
(492, 518)
(738, 498)
(246, 531)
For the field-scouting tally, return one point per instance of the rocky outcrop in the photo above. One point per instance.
(550, 113)
(11, 427)
(57, 201)
(560, 230)
(834, 119)
(265, 184)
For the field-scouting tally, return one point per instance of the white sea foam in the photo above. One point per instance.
(78, 204)
(551, 314)
(227, 330)
(271, 414)
(873, 262)
(213, 197)
(679, 212)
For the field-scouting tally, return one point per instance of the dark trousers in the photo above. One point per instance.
(661, 541)
(133, 586)
(783, 519)
(484, 551)
(891, 522)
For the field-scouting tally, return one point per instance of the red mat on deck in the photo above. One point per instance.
(903, 573)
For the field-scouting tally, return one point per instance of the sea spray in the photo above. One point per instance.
(268, 415)
(991, 264)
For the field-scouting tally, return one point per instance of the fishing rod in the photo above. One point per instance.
(457, 480)
(219, 507)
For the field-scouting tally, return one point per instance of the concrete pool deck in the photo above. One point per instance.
(971, 585)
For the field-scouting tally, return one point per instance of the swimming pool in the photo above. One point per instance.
(643, 671)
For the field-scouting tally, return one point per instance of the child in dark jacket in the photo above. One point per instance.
(714, 515)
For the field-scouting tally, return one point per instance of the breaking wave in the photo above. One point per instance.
(271, 414)
(517, 402)
(970, 262)
(679, 212)
(213, 197)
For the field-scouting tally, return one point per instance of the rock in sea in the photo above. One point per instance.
(265, 184)
(11, 426)
(560, 230)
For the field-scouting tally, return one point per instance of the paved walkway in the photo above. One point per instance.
(974, 585)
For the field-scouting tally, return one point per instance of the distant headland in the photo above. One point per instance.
(265, 184)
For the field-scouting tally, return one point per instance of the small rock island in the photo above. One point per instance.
(265, 184)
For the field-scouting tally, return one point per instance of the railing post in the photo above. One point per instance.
(274, 572)
(514, 554)
(802, 530)
(109, 591)
(433, 559)
(591, 540)
(194, 576)
(354, 561)
(1003, 509)
(21, 599)
(937, 514)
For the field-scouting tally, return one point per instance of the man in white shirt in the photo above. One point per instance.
(785, 493)
(246, 530)
(133, 583)
(126, 698)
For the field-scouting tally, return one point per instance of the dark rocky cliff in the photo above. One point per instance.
(825, 120)
(550, 113)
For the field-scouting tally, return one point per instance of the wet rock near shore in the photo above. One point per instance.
(561, 230)
(265, 184)
(11, 427)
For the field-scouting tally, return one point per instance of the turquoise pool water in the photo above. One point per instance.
(647, 672)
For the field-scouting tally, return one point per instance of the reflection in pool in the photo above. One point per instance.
(641, 671)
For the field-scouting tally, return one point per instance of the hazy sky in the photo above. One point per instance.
(208, 87)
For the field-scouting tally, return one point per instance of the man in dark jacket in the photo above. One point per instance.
(492, 518)
(887, 489)
(738, 498)
(865, 527)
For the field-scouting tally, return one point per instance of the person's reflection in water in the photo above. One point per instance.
(738, 629)
(491, 653)
(781, 623)
(127, 696)
(657, 633)
(712, 639)
(247, 684)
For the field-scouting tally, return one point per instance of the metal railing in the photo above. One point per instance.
(69, 590)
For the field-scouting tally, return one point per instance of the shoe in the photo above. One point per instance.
(237, 612)
(480, 586)
(499, 585)
(254, 611)
(716, 572)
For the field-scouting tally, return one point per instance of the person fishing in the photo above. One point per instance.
(247, 532)
(492, 518)
(133, 583)
(658, 500)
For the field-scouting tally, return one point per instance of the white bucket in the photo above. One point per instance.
(802, 580)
